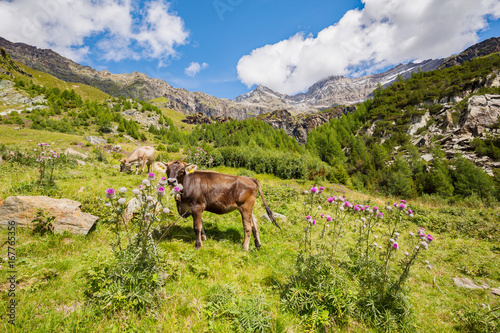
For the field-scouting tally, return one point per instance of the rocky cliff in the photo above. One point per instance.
(334, 90)
(482, 49)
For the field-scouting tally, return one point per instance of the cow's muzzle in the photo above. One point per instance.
(172, 181)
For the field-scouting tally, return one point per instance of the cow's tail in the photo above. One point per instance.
(268, 210)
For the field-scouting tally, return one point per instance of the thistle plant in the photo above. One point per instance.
(152, 209)
(135, 277)
(200, 157)
(47, 160)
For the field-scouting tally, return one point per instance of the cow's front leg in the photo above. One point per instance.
(197, 226)
(203, 235)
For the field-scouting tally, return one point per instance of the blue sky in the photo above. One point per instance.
(227, 47)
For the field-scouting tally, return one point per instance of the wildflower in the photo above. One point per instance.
(424, 244)
(331, 199)
(429, 238)
(348, 204)
(308, 217)
(409, 212)
(375, 244)
(395, 246)
(341, 208)
(392, 240)
(149, 198)
(314, 222)
(122, 190)
(328, 218)
(322, 215)
(375, 236)
(161, 191)
(375, 208)
(411, 233)
(314, 189)
(107, 204)
(356, 208)
(162, 181)
(122, 201)
(395, 204)
(403, 201)
(396, 234)
(380, 215)
(380, 247)
(320, 208)
(151, 176)
(136, 191)
(363, 219)
(406, 254)
(429, 266)
(321, 189)
(177, 189)
(305, 192)
(388, 208)
(146, 182)
(426, 261)
(166, 210)
(110, 193)
(402, 206)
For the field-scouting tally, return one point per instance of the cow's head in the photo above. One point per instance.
(176, 170)
(124, 166)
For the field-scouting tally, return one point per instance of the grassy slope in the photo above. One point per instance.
(47, 80)
(50, 268)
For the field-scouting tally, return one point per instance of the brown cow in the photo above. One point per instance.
(141, 156)
(217, 193)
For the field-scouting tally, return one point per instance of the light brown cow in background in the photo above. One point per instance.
(141, 156)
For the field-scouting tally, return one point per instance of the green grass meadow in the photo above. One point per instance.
(50, 269)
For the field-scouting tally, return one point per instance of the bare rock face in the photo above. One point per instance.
(71, 151)
(483, 112)
(67, 213)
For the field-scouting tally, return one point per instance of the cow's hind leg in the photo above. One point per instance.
(246, 217)
(255, 231)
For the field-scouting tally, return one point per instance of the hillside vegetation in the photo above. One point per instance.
(365, 245)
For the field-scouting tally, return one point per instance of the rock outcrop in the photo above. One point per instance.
(67, 213)
(299, 126)
(483, 112)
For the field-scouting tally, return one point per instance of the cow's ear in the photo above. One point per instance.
(191, 168)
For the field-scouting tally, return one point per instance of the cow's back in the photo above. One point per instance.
(140, 153)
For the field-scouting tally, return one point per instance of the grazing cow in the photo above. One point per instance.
(141, 156)
(217, 193)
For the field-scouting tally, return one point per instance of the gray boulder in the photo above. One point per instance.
(67, 213)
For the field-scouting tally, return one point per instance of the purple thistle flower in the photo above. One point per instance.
(322, 215)
(151, 176)
(314, 189)
(331, 199)
(328, 218)
(110, 193)
(375, 208)
(429, 238)
(395, 246)
(403, 201)
(314, 222)
(161, 191)
(308, 217)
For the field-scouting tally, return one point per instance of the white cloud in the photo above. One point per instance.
(194, 68)
(383, 33)
(119, 28)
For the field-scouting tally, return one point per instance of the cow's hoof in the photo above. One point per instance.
(203, 237)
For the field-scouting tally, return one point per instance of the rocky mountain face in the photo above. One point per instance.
(324, 94)
(133, 85)
(482, 49)
(335, 90)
